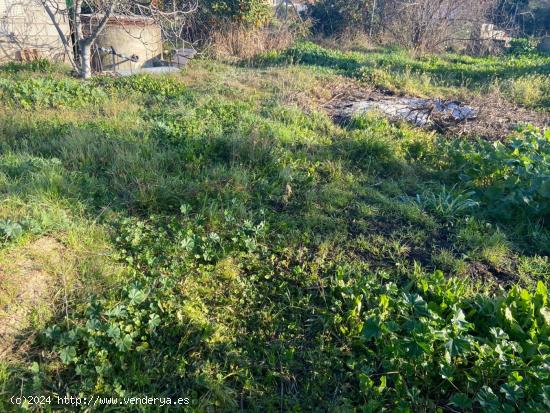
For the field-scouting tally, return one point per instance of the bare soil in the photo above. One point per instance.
(26, 283)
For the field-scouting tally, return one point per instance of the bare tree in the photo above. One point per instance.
(433, 24)
(170, 15)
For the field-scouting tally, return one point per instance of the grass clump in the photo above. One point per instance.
(530, 90)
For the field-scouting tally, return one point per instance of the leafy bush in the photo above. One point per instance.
(39, 65)
(336, 16)
(530, 90)
(487, 354)
(248, 12)
(522, 47)
(511, 178)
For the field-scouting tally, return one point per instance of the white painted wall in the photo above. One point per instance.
(24, 25)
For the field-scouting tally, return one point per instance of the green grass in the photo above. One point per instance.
(227, 242)
(522, 79)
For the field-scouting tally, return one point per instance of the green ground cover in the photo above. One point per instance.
(226, 241)
(524, 79)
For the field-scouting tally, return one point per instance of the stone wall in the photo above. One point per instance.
(26, 31)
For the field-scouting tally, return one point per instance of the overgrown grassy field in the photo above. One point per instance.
(217, 236)
(524, 79)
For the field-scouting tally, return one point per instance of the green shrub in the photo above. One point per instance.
(447, 203)
(486, 354)
(522, 47)
(529, 90)
(248, 12)
(333, 17)
(10, 230)
(511, 178)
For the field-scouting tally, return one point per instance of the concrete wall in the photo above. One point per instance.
(27, 31)
(129, 36)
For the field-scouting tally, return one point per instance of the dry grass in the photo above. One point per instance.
(348, 41)
(232, 42)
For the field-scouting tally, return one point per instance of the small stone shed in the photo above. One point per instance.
(27, 33)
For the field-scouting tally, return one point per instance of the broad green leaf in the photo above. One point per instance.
(447, 371)
(35, 368)
(488, 399)
(383, 384)
(544, 189)
(457, 346)
(136, 296)
(371, 328)
(541, 295)
(384, 303)
(154, 321)
(93, 324)
(461, 401)
(125, 343)
(113, 331)
(459, 319)
(511, 392)
(67, 354)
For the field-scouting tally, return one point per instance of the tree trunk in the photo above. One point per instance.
(85, 60)
(371, 27)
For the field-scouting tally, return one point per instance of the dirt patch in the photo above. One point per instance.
(489, 116)
(488, 274)
(26, 284)
(497, 118)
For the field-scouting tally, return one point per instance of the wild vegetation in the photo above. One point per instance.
(425, 25)
(222, 239)
(522, 77)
